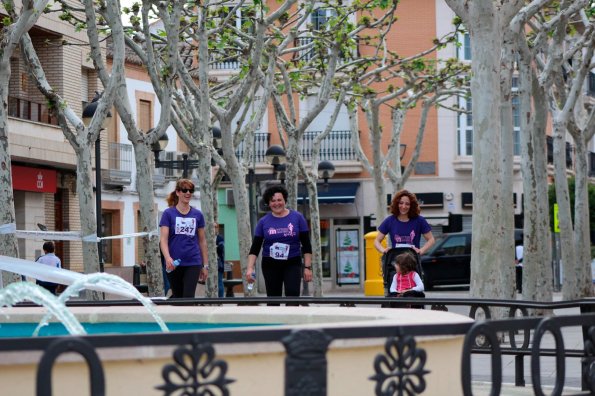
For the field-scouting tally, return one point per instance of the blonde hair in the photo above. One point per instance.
(172, 197)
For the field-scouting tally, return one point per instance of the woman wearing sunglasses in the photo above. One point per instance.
(182, 239)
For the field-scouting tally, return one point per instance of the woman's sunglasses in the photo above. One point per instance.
(186, 190)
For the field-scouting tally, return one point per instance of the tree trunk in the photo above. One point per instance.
(148, 218)
(567, 246)
(204, 173)
(87, 211)
(293, 155)
(537, 255)
(582, 268)
(237, 178)
(8, 242)
(487, 223)
(377, 176)
(507, 247)
(10, 35)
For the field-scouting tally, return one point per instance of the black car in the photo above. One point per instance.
(448, 262)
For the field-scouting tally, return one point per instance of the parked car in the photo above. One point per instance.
(448, 262)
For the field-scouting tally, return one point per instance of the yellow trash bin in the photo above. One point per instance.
(373, 285)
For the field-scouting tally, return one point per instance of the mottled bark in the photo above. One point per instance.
(507, 248)
(10, 34)
(537, 253)
(486, 22)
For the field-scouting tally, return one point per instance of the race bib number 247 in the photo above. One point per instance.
(185, 226)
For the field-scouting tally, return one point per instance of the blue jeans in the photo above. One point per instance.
(220, 290)
(165, 279)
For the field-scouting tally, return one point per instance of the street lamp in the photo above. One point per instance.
(326, 170)
(185, 164)
(88, 113)
(275, 155)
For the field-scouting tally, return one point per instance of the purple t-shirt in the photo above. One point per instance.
(183, 235)
(281, 235)
(405, 232)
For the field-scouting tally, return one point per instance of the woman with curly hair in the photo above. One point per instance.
(405, 226)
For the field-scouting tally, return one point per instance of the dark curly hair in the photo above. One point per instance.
(406, 262)
(272, 190)
(414, 209)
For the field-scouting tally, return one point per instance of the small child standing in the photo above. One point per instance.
(406, 282)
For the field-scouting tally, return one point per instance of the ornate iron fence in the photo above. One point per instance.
(399, 370)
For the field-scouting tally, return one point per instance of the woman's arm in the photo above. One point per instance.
(378, 243)
(429, 242)
(254, 252)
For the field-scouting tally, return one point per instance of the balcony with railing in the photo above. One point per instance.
(120, 160)
(25, 109)
(261, 143)
(335, 147)
(309, 51)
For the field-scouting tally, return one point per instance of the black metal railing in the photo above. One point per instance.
(335, 147)
(32, 111)
(310, 51)
(305, 361)
(261, 143)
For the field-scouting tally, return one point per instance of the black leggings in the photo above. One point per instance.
(280, 273)
(183, 281)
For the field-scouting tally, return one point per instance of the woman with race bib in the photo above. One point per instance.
(405, 226)
(182, 239)
(285, 236)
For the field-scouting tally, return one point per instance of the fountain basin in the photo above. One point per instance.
(257, 368)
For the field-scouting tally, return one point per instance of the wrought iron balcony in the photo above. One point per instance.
(309, 53)
(120, 159)
(335, 147)
(32, 111)
(261, 143)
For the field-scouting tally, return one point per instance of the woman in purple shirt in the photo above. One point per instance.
(285, 236)
(182, 237)
(405, 226)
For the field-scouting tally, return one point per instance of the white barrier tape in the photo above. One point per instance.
(53, 235)
(8, 228)
(133, 235)
(70, 235)
(90, 238)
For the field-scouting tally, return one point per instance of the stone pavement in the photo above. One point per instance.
(481, 364)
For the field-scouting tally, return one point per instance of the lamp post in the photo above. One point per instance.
(88, 113)
(185, 164)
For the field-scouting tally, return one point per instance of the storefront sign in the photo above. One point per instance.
(25, 178)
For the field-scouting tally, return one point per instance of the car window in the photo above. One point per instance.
(436, 246)
(454, 245)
